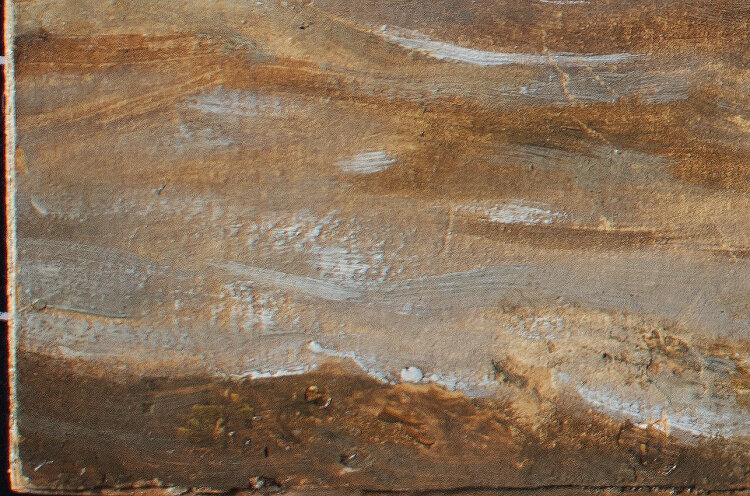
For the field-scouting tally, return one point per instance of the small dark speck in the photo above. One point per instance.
(265, 452)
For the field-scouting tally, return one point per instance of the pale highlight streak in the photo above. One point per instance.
(318, 288)
(726, 421)
(517, 212)
(367, 163)
(448, 51)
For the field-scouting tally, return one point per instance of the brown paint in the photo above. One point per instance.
(125, 431)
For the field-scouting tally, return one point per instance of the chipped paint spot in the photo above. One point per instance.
(315, 347)
(411, 374)
(41, 209)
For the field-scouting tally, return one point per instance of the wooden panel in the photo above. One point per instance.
(380, 246)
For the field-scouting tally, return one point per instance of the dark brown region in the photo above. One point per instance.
(83, 428)
(562, 236)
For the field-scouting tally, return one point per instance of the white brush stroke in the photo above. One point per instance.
(367, 163)
(339, 263)
(448, 51)
(318, 288)
(719, 421)
(258, 374)
(240, 103)
(517, 212)
(371, 367)
(521, 214)
(315, 347)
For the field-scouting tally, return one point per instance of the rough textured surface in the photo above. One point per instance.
(381, 245)
(334, 428)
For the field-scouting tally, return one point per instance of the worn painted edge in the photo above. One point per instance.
(148, 488)
(16, 477)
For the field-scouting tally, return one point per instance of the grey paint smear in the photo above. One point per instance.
(602, 165)
(585, 84)
(237, 103)
(651, 285)
(445, 322)
(85, 278)
(104, 281)
(456, 352)
(650, 86)
(318, 288)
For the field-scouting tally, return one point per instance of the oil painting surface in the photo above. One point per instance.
(347, 246)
